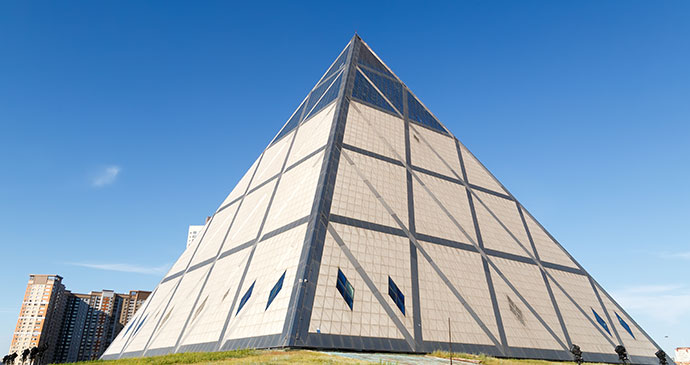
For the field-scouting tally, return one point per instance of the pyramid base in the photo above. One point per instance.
(327, 342)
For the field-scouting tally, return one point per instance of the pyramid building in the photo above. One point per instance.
(366, 225)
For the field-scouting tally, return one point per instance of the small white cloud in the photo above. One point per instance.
(158, 270)
(675, 255)
(106, 176)
(652, 289)
(667, 303)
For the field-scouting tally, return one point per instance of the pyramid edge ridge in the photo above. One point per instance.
(304, 287)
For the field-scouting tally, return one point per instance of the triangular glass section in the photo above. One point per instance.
(292, 123)
(323, 84)
(418, 113)
(368, 59)
(328, 97)
(337, 65)
(364, 91)
(391, 89)
(315, 95)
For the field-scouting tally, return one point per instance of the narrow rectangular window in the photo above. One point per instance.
(396, 295)
(601, 322)
(139, 325)
(625, 325)
(345, 289)
(245, 297)
(275, 290)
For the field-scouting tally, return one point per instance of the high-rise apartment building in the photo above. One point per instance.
(682, 356)
(102, 322)
(192, 233)
(71, 326)
(131, 303)
(41, 315)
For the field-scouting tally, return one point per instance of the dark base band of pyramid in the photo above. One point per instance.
(356, 80)
(373, 344)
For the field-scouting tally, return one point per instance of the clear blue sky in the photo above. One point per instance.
(122, 122)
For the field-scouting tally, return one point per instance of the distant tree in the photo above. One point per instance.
(32, 354)
(41, 352)
(13, 357)
(4, 359)
(25, 355)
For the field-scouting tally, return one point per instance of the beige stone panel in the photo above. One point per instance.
(430, 219)
(477, 174)
(582, 331)
(424, 157)
(548, 250)
(522, 327)
(312, 135)
(273, 160)
(352, 198)
(154, 311)
(273, 257)
(639, 345)
(364, 126)
(214, 303)
(465, 271)
(331, 314)
(177, 312)
(249, 217)
(116, 345)
(213, 239)
(188, 253)
(295, 195)
(438, 303)
(495, 237)
(382, 255)
(241, 186)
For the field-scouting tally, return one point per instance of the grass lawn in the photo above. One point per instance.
(488, 360)
(234, 357)
(249, 356)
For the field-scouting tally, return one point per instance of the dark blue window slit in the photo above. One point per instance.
(601, 322)
(139, 325)
(245, 297)
(396, 295)
(276, 290)
(624, 325)
(345, 289)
